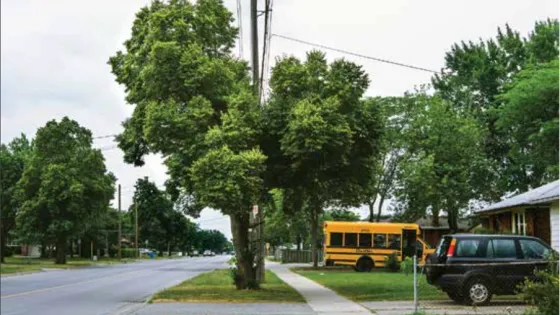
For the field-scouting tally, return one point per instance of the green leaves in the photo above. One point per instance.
(528, 118)
(490, 81)
(316, 128)
(65, 184)
(227, 180)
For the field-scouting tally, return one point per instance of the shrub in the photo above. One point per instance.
(392, 263)
(128, 252)
(543, 294)
(407, 265)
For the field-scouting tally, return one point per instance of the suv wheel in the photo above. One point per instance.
(477, 292)
(364, 265)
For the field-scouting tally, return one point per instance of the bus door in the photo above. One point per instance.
(408, 243)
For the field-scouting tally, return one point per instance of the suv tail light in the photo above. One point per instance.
(451, 248)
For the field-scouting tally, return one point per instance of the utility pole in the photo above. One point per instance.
(258, 217)
(255, 45)
(120, 224)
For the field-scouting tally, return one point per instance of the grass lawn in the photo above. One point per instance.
(217, 286)
(377, 285)
(372, 286)
(20, 264)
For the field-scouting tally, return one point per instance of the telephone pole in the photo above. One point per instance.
(120, 224)
(258, 217)
(255, 45)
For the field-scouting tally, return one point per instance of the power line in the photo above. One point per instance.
(354, 54)
(107, 148)
(104, 137)
(240, 27)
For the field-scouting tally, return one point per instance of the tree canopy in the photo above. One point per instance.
(64, 186)
(13, 158)
(322, 138)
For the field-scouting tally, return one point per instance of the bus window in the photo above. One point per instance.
(380, 240)
(336, 239)
(395, 241)
(365, 239)
(351, 239)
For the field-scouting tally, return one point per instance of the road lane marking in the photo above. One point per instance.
(66, 285)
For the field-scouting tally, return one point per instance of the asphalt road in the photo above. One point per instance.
(110, 289)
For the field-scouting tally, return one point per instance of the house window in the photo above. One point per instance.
(518, 223)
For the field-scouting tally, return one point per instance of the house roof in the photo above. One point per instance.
(543, 194)
(426, 224)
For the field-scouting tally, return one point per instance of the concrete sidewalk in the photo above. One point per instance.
(319, 298)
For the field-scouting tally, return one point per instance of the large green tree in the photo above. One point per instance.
(64, 186)
(194, 105)
(321, 137)
(155, 214)
(13, 158)
(443, 160)
(474, 77)
(528, 119)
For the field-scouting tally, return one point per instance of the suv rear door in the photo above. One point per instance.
(505, 253)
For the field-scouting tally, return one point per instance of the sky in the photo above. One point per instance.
(54, 57)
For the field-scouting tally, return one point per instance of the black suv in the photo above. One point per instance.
(470, 268)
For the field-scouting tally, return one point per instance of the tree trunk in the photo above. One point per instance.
(370, 204)
(61, 251)
(435, 215)
(245, 277)
(3, 245)
(452, 220)
(379, 207)
(298, 242)
(168, 249)
(71, 248)
(314, 222)
(43, 249)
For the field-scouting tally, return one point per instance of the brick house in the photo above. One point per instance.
(533, 213)
(431, 234)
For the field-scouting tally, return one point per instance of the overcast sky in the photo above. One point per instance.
(54, 56)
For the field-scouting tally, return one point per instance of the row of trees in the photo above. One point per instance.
(485, 129)
(56, 192)
(163, 227)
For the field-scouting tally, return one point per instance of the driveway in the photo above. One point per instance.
(445, 307)
(109, 289)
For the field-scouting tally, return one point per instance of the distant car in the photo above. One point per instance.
(145, 251)
(471, 268)
(207, 253)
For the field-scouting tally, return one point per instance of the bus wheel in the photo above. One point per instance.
(364, 264)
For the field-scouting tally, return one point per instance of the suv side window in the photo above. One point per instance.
(532, 249)
(468, 248)
(501, 248)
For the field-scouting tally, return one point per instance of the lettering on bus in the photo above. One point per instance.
(363, 250)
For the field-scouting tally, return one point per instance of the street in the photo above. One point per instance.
(98, 290)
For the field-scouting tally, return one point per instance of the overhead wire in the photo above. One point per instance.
(347, 52)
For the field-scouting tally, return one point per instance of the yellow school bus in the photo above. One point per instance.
(365, 245)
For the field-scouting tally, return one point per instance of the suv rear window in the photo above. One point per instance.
(443, 245)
